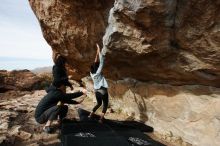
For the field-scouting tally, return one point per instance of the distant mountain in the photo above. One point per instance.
(40, 70)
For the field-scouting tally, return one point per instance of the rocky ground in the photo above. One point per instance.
(22, 80)
(18, 126)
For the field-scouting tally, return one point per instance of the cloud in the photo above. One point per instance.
(20, 33)
(17, 42)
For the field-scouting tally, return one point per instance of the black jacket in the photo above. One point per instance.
(60, 76)
(53, 97)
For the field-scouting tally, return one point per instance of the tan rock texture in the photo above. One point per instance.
(171, 41)
(72, 27)
(17, 123)
(183, 114)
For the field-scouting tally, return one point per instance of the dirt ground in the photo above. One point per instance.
(19, 128)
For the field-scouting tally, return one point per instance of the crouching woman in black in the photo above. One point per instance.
(47, 110)
(100, 84)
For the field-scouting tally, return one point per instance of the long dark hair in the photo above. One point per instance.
(60, 61)
(94, 67)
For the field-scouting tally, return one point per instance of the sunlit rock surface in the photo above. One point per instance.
(189, 113)
(72, 27)
(175, 42)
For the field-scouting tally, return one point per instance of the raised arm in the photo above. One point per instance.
(97, 53)
(101, 60)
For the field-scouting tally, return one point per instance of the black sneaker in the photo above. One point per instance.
(48, 129)
(91, 115)
(101, 120)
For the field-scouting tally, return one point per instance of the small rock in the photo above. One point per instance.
(24, 135)
(33, 144)
(111, 110)
(14, 130)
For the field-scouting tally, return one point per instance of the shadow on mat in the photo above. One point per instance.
(88, 132)
(83, 114)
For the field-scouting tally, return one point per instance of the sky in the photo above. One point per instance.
(22, 45)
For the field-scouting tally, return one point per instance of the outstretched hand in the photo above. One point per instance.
(84, 91)
(98, 48)
(97, 53)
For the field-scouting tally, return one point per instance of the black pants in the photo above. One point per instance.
(52, 113)
(101, 96)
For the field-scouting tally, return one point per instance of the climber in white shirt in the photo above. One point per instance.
(100, 84)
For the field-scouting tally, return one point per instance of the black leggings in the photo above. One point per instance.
(52, 113)
(101, 97)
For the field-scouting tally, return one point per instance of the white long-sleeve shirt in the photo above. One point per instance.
(98, 79)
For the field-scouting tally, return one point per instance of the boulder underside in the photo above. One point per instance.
(171, 41)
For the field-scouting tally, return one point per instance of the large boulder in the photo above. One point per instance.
(72, 27)
(171, 41)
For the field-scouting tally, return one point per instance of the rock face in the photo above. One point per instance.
(18, 80)
(72, 27)
(171, 41)
(189, 113)
(174, 42)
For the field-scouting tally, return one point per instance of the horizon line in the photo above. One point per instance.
(9, 58)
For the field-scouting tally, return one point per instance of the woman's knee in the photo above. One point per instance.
(41, 121)
(64, 108)
(99, 104)
(63, 111)
(105, 107)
